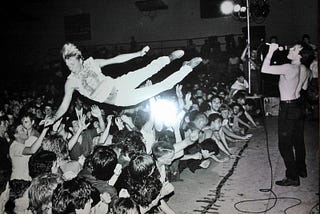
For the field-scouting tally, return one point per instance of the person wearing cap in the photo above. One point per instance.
(293, 77)
(86, 77)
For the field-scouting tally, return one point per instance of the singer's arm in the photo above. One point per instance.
(273, 69)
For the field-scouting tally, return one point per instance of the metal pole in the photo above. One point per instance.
(249, 45)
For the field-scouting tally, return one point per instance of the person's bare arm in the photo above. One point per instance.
(231, 92)
(195, 156)
(116, 173)
(228, 133)
(273, 69)
(181, 145)
(243, 123)
(105, 133)
(249, 117)
(68, 91)
(243, 55)
(223, 139)
(37, 144)
(75, 137)
(122, 57)
(96, 112)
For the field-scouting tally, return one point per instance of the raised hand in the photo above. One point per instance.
(188, 101)
(273, 47)
(119, 123)
(95, 111)
(56, 125)
(109, 118)
(144, 50)
(48, 122)
(205, 154)
(126, 119)
(179, 91)
(82, 123)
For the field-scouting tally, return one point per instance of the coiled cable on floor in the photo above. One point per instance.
(275, 197)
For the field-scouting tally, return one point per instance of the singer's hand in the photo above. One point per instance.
(273, 47)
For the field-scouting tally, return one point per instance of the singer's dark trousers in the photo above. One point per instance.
(291, 137)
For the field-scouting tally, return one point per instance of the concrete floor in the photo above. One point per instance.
(219, 188)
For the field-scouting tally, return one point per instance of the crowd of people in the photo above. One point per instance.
(102, 158)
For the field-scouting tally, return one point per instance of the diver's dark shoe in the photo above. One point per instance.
(288, 182)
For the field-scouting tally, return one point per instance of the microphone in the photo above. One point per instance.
(280, 48)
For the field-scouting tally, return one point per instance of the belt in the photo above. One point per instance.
(290, 101)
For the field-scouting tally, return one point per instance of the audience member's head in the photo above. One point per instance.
(240, 76)
(142, 166)
(225, 110)
(249, 105)
(41, 162)
(215, 103)
(273, 39)
(133, 143)
(163, 152)
(104, 161)
(237, 108)
(144, 193)
(17, 132)
(125, 206)
(40, 192)
(240, 98)
(56, 144)
(306, 53)
(74, 196)
(198, 120)
(215, 121)
(27, 120)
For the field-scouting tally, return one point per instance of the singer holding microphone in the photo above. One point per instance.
(293, 76)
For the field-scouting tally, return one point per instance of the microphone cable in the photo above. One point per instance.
(275, 197)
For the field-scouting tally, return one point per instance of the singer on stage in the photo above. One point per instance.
(293, 77)
(86, 77)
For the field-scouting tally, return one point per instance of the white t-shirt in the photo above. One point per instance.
(20, 162)
(239, 86)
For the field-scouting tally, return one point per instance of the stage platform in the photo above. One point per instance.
(223, 186)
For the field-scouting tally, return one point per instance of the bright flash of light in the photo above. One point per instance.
(164, 111)
(226, 7)
(243, 9)
(236, 8)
